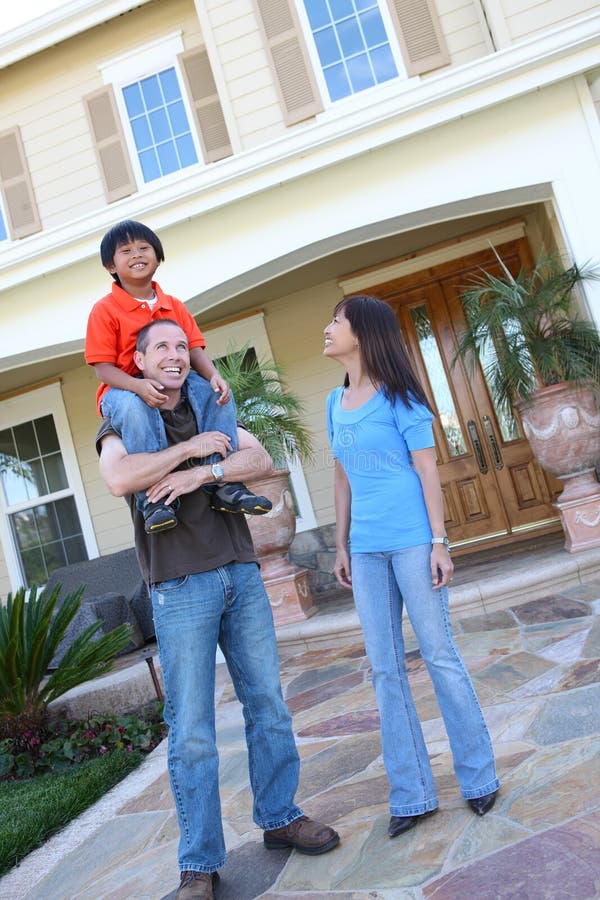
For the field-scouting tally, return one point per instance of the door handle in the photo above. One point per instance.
(477, 447)
(493, 443)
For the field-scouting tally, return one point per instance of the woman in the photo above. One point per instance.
(389, 507)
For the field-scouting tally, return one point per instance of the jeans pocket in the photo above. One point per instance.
(171, 584)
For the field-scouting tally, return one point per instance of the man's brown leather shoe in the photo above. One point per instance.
(197, 886)
(303, 835)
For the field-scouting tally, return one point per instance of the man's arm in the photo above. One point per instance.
(127, 473)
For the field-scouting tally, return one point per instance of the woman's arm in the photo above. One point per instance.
(425, 465)
(342, 498)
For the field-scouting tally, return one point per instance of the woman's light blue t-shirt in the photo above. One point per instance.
(373, 444)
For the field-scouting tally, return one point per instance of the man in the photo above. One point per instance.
(206, 590)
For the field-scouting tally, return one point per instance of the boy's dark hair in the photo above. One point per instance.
(122, 233)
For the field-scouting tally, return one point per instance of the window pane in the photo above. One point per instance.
(141, 133)
(372, 26)
(438, 381)
(56, 476)
(186, 150)
(317, 12)
(360, 73)
(337, 82)
(46, 435)
(151, 92)
(75, 550)
(34, 569)
(178, 118)
(149, 164)
(24, 435)
(159, 125)
(3, 233)
(36, 482)
(341, 8)
(167, 158)
(133, 100)
(351, 40)
(169, 85)
(327, 46)
(383, 63)
(67, 517)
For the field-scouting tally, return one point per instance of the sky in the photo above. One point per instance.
(17, 12)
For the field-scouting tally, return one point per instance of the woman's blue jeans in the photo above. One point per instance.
(382, 583)
(142, 429)
(227, 606)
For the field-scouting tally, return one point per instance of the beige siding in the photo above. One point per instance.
(246, 71)
(528, 17)
(303, 315)
(464, 28)
(110, 515)
(43, 95)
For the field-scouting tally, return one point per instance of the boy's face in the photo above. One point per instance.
(134, 262)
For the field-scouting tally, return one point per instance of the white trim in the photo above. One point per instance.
(24, 408)
(222, 339)
(496, 20)
(434, 258)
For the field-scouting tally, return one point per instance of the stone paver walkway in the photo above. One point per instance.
(536, 670)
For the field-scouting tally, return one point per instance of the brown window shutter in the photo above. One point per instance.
(109, 142)
(282, 33)
(15, 184)
(202, 91)
(420, 36)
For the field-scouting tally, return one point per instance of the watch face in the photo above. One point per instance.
(217, 471)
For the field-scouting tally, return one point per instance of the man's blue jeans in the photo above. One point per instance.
(142, 429)
(228, 606)
(382, 583)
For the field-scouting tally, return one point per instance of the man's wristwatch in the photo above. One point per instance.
(217, 472)
(442, 540)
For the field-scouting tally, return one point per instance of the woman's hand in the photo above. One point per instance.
(341, 569)
(442, 566)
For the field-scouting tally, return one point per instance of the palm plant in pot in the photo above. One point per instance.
(542, 359)
(274, 415)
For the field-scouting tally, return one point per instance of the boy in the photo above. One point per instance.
(132, 253)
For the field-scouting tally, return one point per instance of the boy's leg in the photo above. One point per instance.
(227, 496)
(142, 431)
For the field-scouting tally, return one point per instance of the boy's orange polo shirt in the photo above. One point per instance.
(114, 323)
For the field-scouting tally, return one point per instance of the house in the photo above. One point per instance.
(287, 152)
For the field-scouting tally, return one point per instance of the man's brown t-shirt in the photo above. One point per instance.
(204, 539)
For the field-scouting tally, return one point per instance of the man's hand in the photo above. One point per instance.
(208, 442)
(175, 484)
(150, 392)
(220, 386)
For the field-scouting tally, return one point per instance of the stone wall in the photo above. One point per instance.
(315, 550)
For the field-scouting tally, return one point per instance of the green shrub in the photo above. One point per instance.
(30, 633)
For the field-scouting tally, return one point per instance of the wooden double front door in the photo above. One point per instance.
(494, 490)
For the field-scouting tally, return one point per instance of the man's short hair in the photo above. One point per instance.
(143, 335)
(123, 233)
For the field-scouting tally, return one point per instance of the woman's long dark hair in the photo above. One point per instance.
(382, 348)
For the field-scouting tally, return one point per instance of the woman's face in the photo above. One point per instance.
(340, 340)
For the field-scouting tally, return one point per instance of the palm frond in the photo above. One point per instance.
(266, 407)
(525, 330)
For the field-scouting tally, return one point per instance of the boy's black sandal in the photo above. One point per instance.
(234, 497)
(158, 517)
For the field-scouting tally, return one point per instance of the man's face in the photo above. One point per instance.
(167, 356)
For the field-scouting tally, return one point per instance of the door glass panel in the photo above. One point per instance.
(508, 425)
(438, 381)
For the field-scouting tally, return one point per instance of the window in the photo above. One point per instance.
(352, 44)
(159, 124)
(45, 523)
(158, 113)
(3, 232)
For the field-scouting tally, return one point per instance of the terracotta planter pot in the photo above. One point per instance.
(563, 428)
(286, 584)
